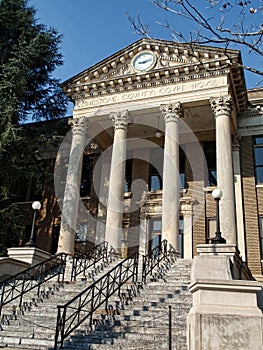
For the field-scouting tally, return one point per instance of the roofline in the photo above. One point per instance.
(148, 40)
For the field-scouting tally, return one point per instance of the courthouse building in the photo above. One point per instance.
(156, 128)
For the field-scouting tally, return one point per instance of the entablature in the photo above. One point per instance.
(172, 63)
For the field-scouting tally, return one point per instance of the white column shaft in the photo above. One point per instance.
(171, 177)
(71, 195)
(239, 199)
(113, 234)
(224, 165)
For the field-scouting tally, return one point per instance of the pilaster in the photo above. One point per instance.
(238, 196)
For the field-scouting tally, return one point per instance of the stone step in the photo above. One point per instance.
(139, 320)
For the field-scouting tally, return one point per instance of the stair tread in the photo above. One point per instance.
(133, 322)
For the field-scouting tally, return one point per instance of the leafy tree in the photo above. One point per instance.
(29, 54)
(230, 24)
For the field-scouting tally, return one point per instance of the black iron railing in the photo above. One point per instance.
(84, 260)
(83, 305)
(18, 285)
(153, 259)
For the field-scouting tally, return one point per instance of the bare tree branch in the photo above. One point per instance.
(227, 26)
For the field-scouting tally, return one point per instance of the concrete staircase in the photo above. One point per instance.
(137, 320)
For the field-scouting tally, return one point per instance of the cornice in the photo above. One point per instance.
(174, 63)
(252, 111)
(144, 84)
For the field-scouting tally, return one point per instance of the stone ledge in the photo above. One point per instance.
(30, 255)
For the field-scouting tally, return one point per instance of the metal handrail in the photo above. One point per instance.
(83, 305)
(153, 259)
(18, 285)
(84, 260)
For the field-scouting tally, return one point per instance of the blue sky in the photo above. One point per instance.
(94, 29)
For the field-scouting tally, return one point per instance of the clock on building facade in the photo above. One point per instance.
(144, 61)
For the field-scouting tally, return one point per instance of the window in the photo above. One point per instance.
(181, 236)
(156, 170)
(128, 175)
(210, 156)
(182, 169)
(258, 158)
(261, 235)
(86, 179)
(155, 232)
(156, 182)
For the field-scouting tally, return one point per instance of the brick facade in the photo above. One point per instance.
(250, 206)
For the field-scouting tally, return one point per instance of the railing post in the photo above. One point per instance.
(2, 297)
(170, 327)
(119, 291)
(22, 293)
(73, 270)
(60, 327)
(106, 251)
(135, 268)
(91, 307)
(143, 269)
(107, 293)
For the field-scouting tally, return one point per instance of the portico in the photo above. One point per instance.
(123, 105)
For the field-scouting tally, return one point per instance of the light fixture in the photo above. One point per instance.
(158, 133)
(217, 195)
(35, 206)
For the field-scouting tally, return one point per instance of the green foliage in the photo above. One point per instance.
(29, 54)
(11, 227)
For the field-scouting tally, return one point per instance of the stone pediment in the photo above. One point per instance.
(169, 62)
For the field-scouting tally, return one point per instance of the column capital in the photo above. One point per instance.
(221, 105)
(172, 111)
(79, 125)
(121, 120)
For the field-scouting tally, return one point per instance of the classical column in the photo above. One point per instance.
(113, 233)
(71, 195)
(222, 107)
(171, 178)
(239, 198)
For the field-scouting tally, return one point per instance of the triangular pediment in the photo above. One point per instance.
(149, 62)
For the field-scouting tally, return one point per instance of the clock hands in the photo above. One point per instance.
(145, 61)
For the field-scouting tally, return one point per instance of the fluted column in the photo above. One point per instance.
(222, 107)
(71, 194)
(171, 178)
(113, 233)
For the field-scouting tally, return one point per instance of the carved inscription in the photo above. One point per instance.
(148, 93)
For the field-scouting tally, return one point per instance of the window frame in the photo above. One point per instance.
(211, 168)
(260, 225)
(257, 166)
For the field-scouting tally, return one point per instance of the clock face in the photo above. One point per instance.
(144, 61)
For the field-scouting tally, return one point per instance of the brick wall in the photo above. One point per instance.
(197, 185)
(250, 206)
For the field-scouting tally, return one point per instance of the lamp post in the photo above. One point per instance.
(36, 206)
(217, 194)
